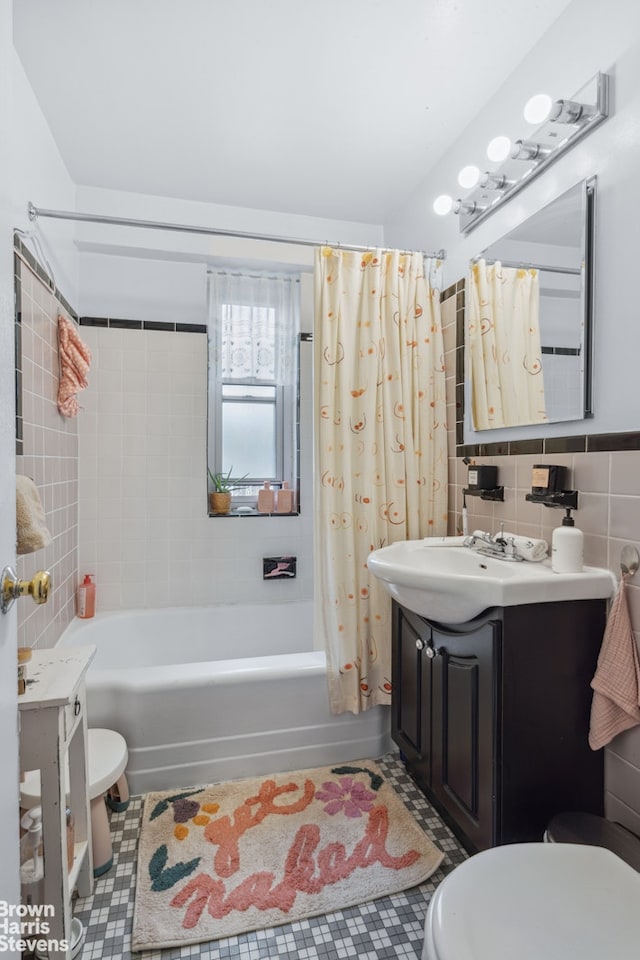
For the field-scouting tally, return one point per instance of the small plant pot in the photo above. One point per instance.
(220, 503)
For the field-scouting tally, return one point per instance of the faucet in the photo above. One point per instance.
(493, 546)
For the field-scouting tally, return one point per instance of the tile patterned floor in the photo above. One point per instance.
(380, 930)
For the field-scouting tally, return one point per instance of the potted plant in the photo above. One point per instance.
(220, 496)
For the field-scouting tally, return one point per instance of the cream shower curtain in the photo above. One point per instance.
(503, 339)
(381, 449)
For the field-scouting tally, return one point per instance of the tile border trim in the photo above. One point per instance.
(118, 323)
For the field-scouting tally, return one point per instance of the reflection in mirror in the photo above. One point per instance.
(529, 318)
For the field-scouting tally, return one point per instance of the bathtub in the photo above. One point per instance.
(203, 694)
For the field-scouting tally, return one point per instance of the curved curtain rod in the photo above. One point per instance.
(35, 212)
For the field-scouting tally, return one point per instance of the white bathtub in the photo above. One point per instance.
(203, 694)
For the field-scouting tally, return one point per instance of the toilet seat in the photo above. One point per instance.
(536, 900)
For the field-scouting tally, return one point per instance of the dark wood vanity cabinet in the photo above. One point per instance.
(492, 716)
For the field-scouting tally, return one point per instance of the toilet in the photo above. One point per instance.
(536, 901)
(106, 761)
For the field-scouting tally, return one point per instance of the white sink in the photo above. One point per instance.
(453, 584)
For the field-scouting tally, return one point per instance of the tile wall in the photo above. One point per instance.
(47, 451)
(144, 528)
(608, 481)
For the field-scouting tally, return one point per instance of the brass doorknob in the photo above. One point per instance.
(12, 588)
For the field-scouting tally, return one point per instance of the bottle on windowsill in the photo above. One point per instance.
(266, 499)
(285, 499)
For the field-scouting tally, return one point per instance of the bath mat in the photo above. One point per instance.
(221, 860)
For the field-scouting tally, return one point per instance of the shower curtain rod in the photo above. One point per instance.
(532, 266)
(35, 212)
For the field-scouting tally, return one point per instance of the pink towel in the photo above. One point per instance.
(75, 358)
(616, 684)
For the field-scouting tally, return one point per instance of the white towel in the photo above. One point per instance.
(528, 549)
(443, 542)
(31, 527)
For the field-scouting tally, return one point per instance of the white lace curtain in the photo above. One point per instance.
(254, 320)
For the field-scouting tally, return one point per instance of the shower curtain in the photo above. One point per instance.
(381, 449)
(503, 340)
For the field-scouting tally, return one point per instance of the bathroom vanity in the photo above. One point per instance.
(492, 715)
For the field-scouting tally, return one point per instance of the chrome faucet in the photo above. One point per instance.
(498, 546)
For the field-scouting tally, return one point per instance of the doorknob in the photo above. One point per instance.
(12, 588)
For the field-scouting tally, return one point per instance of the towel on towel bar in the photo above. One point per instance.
(616, 683)
(31, 527)
(75, 358)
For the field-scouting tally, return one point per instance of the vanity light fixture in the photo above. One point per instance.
(495, 181)
(465, 206)
(529, 150)
(562, 124)
(443, 204)
(469, 176)
(538, 108)
(498, 149)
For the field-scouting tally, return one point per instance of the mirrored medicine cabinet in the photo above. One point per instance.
(557, 242)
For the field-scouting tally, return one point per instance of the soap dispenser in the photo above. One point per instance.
(567, 547)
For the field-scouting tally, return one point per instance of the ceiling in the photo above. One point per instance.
(335, 109)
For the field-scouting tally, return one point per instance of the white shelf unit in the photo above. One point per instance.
(53, 726)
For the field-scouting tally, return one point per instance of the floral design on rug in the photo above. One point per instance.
(273, 849)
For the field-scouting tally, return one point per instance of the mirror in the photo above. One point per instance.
(555, 247)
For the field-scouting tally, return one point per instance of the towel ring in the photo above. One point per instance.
(629, 560)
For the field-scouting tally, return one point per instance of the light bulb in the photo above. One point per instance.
(468, 176)
(498, 149)
(443, 204)
(538, 108)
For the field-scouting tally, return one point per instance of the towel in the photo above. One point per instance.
(75, 358)
(616, 683)
(528, 549)
(443, 541)
(31, 527)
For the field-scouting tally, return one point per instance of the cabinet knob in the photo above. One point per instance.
(419, 644)
(431, 652)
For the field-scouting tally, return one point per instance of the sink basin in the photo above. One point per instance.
(453, 584)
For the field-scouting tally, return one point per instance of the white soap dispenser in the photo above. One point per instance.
(567, 547)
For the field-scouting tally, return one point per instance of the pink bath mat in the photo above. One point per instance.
(221, 860)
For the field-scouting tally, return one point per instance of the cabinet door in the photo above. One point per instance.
(410, 727)
(464, 719)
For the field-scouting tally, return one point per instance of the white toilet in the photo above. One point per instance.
(536, 901)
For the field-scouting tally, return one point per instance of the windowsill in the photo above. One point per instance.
(250, 512)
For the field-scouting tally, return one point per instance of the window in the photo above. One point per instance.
(254, 325)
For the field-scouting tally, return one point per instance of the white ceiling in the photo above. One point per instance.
(332, 108)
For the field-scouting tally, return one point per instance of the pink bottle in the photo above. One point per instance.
(86, 598)
(265, 499)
